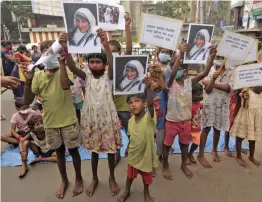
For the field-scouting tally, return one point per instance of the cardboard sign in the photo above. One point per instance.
(160, 31)
(247, 76)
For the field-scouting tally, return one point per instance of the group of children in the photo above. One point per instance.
(171, 106)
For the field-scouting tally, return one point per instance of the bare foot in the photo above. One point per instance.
(92, 187)
(118, 157)
(114, 187)
(215, 156)
(24, 170)
(253, 160)
(37, 160)
(204, 162)
(148, 198)
(78, 189)
(241, 162)
(191, 159)
(243, 151)
(187, 172)
(154, 172)
(167, 174)
(124, 196)
(188, 162)
(60, 193)
(228, 153)
(160, 158)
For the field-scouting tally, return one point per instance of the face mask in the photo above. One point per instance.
(115, 54)
(24, 111)
(163, 57)
(179, 74)
(197, 98)
(218, 62)
(97, 73)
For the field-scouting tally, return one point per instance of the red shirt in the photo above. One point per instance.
(20, 57)
(196, 117)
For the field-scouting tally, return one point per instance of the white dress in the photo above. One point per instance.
(99, 121)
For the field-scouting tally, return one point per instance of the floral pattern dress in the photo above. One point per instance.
(99, 121)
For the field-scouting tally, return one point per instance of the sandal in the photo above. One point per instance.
(24, 174)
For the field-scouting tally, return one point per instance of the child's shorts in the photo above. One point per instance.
(195, 138)
(182, 129)
(132, 174)
(47, 154)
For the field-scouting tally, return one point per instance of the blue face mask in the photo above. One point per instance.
(179, 74)
(164, 57)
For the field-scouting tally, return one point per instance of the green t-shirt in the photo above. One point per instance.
(120, 103)
(141, 149)
(58, 107)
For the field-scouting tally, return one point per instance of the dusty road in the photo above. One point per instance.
(226, 182)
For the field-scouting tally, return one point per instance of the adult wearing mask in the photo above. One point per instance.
(8, 60)
(163, 59)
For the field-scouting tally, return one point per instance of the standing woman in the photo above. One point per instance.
(84, 32)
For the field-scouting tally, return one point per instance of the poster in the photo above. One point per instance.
(81, 24)
(253, 53)
(129, 74)
(160, 31)
(111, 17)
(235, 47)
(199, 39)
(247, 76)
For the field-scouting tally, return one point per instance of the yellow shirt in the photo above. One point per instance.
(57, 103)
(142, 150)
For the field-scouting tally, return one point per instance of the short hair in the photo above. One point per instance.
(116, 44)
(138, 95)
(46, 44)
(101, 56)
(19, 102)
(6, 43)
(197, 87)
(33, 120)
(21, 48)
(34, 46)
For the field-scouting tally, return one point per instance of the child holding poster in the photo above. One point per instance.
(99, 121)
(216, 107)
(179, 108)
(248, 123)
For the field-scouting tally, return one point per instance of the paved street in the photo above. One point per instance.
(227, 181)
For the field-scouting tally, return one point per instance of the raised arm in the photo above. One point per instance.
(29, 96)
(69, 59)
(64, 80)
(208, 66)
(149, 94)
(104, 41)
(129, 45)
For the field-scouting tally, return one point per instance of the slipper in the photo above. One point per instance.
(3, 118)
(23, 175)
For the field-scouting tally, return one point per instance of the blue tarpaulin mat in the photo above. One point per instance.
(11, 157)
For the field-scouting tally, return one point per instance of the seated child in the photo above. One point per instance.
(141, 148)
(197, 97)
(19, 129)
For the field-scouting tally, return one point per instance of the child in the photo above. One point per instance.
(36, 141)
(19, 130)
(248, 123)
(99, 121)
(197, 97)
(160, 101)
(179, 108)
(141, 148)
(215, 108)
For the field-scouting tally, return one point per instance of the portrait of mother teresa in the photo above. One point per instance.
(132, 78)
(83, 33)
(199, 51)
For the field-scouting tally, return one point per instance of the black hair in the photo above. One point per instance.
(21, 49)
(33, 46)
(19, 102)
(139, 95)
(33, 120)
(160, 48)
(116, 44)
(101, 56)
(46, 44)
(6, 43)
(196, 87)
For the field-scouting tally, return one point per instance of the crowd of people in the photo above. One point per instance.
(73, 104)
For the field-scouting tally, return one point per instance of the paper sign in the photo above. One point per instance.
(247, 76)
(253, 53)
(235, 47)
(160, 31)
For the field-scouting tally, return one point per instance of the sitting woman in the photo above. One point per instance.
(132, 79)
(83, 33)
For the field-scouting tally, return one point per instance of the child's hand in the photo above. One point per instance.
(127, 20)
(213, 52)
(148, 82)
(216, 74)
(63, 40)
(102, 34)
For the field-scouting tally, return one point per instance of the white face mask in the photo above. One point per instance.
(115, 54)
(218, 62)
(24, 111)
